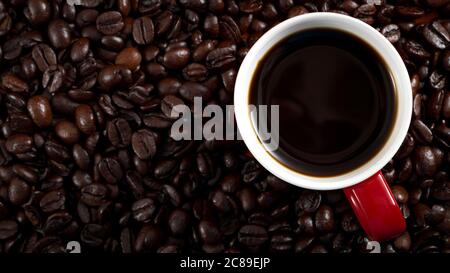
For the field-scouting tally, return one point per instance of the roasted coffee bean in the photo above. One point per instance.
(422, 132)
(67, 132)
(176, 58)
(190, 90)
(179, 222)
(94, 194)
(168, 103)
(437, 35)
(8, 229)
(52, 201)
(43, 56)
(110, 22)
(220, 58)
(143, 209)
(308, 201)
(208, 231)
(80, 49)
(19, 144)
(427, 160)
(37, 11)
(252, 235)
(129, 57)
(85, 119)
(13, 83)
(229, 29)
(18, 191)
(324, 219)
(119, 132)
(143, 30)
(144, 144)
(110, 170)
(59, 33)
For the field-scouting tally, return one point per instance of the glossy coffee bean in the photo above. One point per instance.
(40, 110)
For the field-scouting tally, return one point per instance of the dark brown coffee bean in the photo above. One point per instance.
(85, 119)
(119, 132)
(422, 132)
(220, 58)
(144, 144)
(53, 201)
(13, 83)
(110, 22)
(18, 192)
(129, 57)
(426, 161)
(80, 49)
(37, 11)
(19, 144)
(168, 103)
(67, 132)
(43, 56)
(110, 170)
(208, 231)
(324, 219)
(229, 29)
(176, 58)
(143, 209)
(59, 33)
(165, 168)
(308, 201)
(94, 194)
(252, 235)
(143, 30)
(437, 35)
(8, 229)
(190, 90)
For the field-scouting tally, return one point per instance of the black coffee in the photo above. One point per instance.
(336, 100)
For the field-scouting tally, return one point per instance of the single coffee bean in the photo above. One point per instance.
(252, 235)
(38, 11)
(94, 195)
(43, 56)
(110, 22)
(8, 229)
(143, 209)
(119, 132)
(81, 157)
(18, 192)
(67, 132)
(19, 144)
(85, 119)
(144, 143)
(52, 201)
(179, 221)
(176, 58)
(143, 30)
(209, 233)
(80, 50)
(110, 170)
(59, 33)
(14, 83)
(129, 57)
(324, 219)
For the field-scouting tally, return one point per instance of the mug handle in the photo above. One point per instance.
(376, 209)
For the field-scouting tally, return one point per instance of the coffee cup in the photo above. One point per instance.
(364, 185)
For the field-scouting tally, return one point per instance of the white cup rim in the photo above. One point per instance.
(368, 34)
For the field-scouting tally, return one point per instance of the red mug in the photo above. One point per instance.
(365, 187)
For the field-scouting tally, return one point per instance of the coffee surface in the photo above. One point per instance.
(336, 100)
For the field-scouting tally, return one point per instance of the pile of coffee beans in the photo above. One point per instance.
(86, 91)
